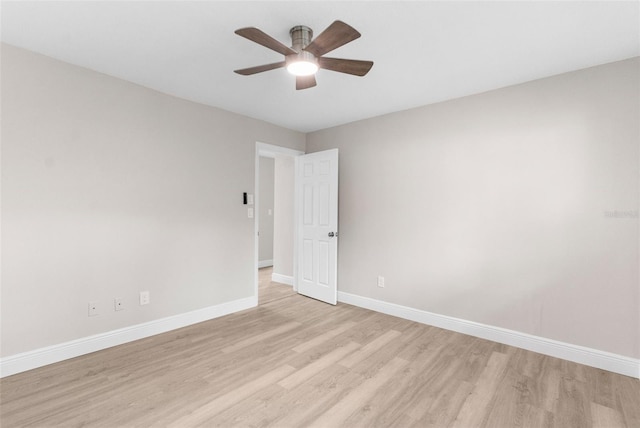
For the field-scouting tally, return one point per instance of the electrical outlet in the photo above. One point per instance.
(145, 298)
(381, 281)
(118, 304)
(93, 309)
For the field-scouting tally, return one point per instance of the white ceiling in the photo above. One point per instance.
(424, 52)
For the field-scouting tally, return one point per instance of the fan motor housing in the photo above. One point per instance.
(301, 36)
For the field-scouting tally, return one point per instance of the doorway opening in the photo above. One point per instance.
(274, 221)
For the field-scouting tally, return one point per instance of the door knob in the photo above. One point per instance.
(331, 234)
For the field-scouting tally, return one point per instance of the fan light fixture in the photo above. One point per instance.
(302, 68)
(301, 64)
(306, 54)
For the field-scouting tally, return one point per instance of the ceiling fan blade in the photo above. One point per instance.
(260, 68)
(262, 38)
(349, 66)
(305, 82)
(336, 35)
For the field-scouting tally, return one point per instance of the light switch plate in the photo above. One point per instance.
(250, 199)
(250, 212)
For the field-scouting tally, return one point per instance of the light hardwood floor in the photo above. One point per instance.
(296, 362)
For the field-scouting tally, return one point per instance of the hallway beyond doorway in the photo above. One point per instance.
(268, 290)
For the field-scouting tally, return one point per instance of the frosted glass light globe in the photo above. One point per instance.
(302, 68)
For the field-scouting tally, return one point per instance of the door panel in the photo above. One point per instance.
(317, 225)
(307, 260)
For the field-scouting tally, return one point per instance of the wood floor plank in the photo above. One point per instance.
(207, 411)
(446, 406)
(295, 362)
(312, 369)
(573, 407)
(309, 400)
(338, 414)
(433, 377)
(627, 399)
(260, 337)
(322, 338)
(603, 416)
(535, 417)
(370, 348)
(258, 410)
(510, 401)
(478, 401)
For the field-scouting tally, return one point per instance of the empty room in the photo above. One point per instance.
(327, 214)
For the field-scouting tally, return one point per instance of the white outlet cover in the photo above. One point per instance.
(144, 298)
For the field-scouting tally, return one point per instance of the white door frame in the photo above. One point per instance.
(268, 151)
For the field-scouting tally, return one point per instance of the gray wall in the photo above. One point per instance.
(284, 221)
(265, 219)
(500, 208)
(108, 189)
(515, 208)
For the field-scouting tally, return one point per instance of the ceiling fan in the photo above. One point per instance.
(305, 56)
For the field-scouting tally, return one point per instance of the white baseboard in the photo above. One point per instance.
(592, 357)
(265, 263)
(579, 354)
(283, 279)
(63, 351)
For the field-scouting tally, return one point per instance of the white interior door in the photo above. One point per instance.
(317, 225)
